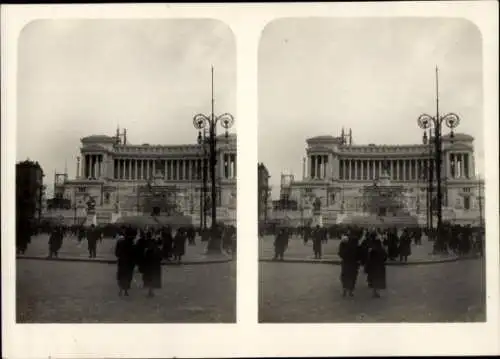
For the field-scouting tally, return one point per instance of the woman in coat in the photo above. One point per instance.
(179, 245)
(152, 267)
(55, 241)
(124, 252)
(376, 267)
(349, 252)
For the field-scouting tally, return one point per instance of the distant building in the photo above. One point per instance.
(116, 177)
(338, 176)
(263, 192)
(29, 190)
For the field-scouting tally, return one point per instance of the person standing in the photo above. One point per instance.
(404, 246)
(349, 252)
(166, 243)
(55, 241)
(92, 237)
(317, 242)
(179, 245)
(377, 258)
(124, 252)
(152, 267)
(280, 244)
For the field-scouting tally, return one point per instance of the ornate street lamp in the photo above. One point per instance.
(204, 122)
(425, 121)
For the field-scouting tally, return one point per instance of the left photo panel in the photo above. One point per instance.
(126, 172)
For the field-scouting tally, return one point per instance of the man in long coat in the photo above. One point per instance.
(317, 242)
(124, 251)
(376, 267)
(349, 252)
(92, 236)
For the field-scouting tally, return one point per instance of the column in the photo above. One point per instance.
(472, 173)
(235, 165)
(325, 163)
(356, 169)
(313, 166)
(392, 170)
(101, 165)
(178, 169)
(404, 170)
(362, 169)
(462, 165)
(221, 164)
(319, 164)
(92, 161)
(89, 172)
(154, 167)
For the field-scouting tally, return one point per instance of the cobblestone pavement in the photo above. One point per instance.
(311, 293)
(298, 250)
(83, 292)
(105, 250)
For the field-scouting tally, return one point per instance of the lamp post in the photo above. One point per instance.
(425, 122)
(201, 121)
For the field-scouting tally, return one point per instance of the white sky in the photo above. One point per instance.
(373, 75)
(82, 77)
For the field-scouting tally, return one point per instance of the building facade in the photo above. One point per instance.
(116, 178)
(29, 190)
(264, 190)
(337, 175)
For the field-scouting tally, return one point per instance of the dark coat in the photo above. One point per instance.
(376, 268)
(124, 251)
(55, 240)
(179, 244)
(167, 241)
(152, 267)
(350, 254)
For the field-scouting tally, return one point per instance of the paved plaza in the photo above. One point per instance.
(298, 251)
(84, 292)
(311, 293)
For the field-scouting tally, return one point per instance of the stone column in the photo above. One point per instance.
(356, 165)
(472, 170)
(153, 165)
(221, 164)
(77, 167)
(312, 164)
(462, 165)
(92, 161)
(392, 170)
(235, 166)
(100, 166)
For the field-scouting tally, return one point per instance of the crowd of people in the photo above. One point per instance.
(370, 249)
(142, 248)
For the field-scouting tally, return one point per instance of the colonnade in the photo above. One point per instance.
(318, 166)
(398, 170)
(173, 169)
(92, 166)
(461, 165)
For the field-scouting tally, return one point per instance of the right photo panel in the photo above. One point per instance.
(371, 159)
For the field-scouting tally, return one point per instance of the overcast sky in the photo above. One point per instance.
(84, 77)
(375, 76)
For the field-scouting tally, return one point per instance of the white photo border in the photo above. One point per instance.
(248, 337)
